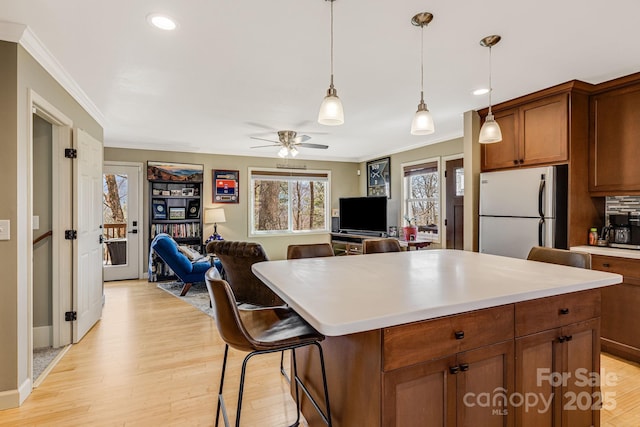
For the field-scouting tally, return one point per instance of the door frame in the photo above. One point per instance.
(140, 212)
(61, 219)
(443, 188)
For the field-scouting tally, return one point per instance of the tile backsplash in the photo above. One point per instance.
(621, 205)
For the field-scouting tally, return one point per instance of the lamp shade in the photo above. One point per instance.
(331, 112)
(212, 216)
(422, 123)
(490, 131)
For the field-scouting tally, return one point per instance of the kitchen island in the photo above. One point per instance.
(420, 338)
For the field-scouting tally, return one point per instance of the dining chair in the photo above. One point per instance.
(376, 246)
(309, 250)
(261, 331)
(236, 259)
(560, 256)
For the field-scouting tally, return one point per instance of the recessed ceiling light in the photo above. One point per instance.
(481, 91)
(161, 21)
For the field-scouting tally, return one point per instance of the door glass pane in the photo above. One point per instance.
(114, 218)
(459, 181)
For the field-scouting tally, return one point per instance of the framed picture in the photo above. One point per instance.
(183, 172)
(177, 212)
(176, 192)
(187, 191)
(159, 209)
(193, 209)
(226, 186)
(379, 177)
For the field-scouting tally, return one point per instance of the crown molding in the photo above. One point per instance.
(22, 34)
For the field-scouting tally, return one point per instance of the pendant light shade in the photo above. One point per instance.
(331, 111)
(490, 131)
(422, 123)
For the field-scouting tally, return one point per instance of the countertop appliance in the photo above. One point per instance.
(625, 232)
(523, 208)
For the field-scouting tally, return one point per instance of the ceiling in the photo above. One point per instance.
(236, 69)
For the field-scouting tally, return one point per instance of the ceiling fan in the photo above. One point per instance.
(289, 141)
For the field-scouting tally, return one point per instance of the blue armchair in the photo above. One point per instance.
(187, 271)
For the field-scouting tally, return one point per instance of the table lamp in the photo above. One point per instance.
(214, 216)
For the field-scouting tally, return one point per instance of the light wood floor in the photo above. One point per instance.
(154, 360)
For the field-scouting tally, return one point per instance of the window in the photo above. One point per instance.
(422, 196)
(289, 202)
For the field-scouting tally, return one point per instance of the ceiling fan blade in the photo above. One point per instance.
(264, 139)
(270, 145)
(301, 138)
(308, 145)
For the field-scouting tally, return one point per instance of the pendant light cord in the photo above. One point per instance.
(490, 87)
(331, 62)
(422, 63)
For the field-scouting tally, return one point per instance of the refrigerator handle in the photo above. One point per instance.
(540, 231)
(540, 198)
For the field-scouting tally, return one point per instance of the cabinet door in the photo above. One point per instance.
(537, 357)
(484, 383)
(581, 364)
(614, 135)
(421, 395)
(544, 128)
(503, 154)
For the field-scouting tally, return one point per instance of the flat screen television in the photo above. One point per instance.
(363, 215)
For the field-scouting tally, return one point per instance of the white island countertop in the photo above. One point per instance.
(350, 294)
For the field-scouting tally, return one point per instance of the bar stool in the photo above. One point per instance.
(262, 331)
(309, 250)
(376, 246)
(560, 256)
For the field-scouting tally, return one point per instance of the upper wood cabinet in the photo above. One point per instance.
(614, 137)
(533, 133)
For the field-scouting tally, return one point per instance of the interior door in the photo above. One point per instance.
(455, 204)
(87, 218)
(120, 215)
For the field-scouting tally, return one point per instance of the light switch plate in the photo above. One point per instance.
(5, 231)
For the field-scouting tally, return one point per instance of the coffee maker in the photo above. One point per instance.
(625, 231)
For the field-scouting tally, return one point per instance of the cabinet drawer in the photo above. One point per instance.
(551, 312)
(412, 343)
(629, 268)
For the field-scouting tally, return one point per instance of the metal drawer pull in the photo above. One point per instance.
(459, 335)
(454, 369)
(464, 367)
(564, 311)
(606, 264)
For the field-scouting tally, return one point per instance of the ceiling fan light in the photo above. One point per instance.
(293, 152)
(422, 121)
(283, 152)
(331, 111)
(490, 131)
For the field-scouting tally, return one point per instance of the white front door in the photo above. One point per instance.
(121, 221)
(87, 218)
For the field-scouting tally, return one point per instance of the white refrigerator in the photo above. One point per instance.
(522, 208)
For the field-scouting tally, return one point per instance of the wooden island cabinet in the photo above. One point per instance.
(446, 337)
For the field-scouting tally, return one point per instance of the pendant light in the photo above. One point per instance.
(331, 112)
(422, 121)
(490, 131)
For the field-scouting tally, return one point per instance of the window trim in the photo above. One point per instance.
(255, 170)
(403, 201)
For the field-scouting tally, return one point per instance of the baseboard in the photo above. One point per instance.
(42, 336)
(620, 350)
(14, 398)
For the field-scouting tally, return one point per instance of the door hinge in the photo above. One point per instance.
(70, 316)
(70, 153)
(70, 234)
(445, 222)
(445, 174)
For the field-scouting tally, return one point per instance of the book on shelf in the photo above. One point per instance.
(159, 209)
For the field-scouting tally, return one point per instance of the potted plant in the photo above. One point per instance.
(410, 231)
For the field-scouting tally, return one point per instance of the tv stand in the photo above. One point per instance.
(350, 244)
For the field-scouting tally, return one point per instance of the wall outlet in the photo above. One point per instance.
(5, 229)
